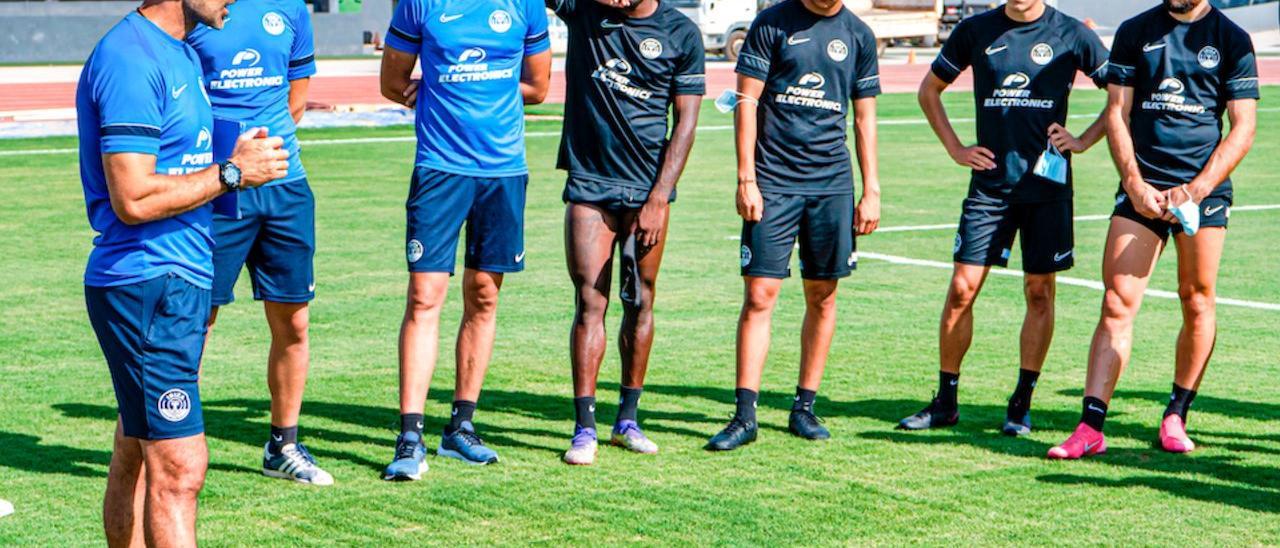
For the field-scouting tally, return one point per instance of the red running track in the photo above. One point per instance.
(359, 90)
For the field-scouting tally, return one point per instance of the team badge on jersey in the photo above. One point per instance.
(837, 50)
(174, 405)
(1209, 57)
(500, 21)
(273, 23)
(650, 48)
(1042, 53)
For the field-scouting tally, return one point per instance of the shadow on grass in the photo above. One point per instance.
(1240, 497)
(26, 452)
(1205, 403)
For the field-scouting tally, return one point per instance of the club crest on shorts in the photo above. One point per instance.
(837, 50)
(959, 242)
(500, 21)
(853, 259)
(273, 23)
(174, 405)
(1208, 57)
(413, 251)
(746, 256)
(650, 48)
(1042, 53)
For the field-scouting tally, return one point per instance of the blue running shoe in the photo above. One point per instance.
(1017, 427)
(295, 463)
(463, 444)
(411, 459)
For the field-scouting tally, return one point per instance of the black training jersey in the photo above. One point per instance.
(1022, 76)
(1182, 75)
(622, 75)
(812, 67)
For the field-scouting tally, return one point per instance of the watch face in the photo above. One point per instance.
(231, 173)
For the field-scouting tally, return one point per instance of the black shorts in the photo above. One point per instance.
(1215, 211)
(988, 226)
(824, 225)
(610, 196)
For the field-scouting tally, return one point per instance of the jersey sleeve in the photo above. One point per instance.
(536, 38)
(302, 55)
(866, 70)
(1125, 54)
(129, 104)
(757, 51)
(955, 54)
(1092, 55)
(1240, 69)
(691, 74)
(405, 31)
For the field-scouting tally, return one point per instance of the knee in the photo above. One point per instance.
(1118, 310)
(961, 295)
(176, 480)
(1040, 295)
(482, 298)
(1198, 301)
(591, 307)
(760, 299)
(823, 302)
(425, 299)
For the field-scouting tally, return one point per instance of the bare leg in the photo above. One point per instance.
(1037, 326)
(817, 330)
(289, 360)
(1198, 261)
(635, 336)
(1130, 257)
(175, 475)
(420, 337)
(955, 331)
(754, 324)
(477, 331)
(589, 235)
(123, 505)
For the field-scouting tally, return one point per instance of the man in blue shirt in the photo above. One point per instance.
(481, 61)
(1176, 69)
(257, 70)
(145, 129)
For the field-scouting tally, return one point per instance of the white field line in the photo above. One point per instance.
(952, 226)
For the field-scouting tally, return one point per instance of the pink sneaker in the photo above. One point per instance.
(1173, 435)
(1085, 441)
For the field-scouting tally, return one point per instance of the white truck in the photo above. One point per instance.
(724, 23)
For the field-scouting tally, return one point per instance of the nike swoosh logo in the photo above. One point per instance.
(953, 383)
(311, 287)
(450, 18)
(178, 91)
(1093, 407)
(1089, 446)
(1152, 47)
(607, 24)
(991, 50)
(1058, 257)
(793, 41)
(419, 425)
(520, 257)
(278, 439)
(1210, 211)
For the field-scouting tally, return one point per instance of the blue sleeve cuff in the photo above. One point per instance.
(304, 69)
(1120, 75)
(121, 144)
(403, 41)
(537, 44)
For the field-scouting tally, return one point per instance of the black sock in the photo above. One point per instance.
(628, 401)
(1020, 401)
(1095, 413)
(462, 412)
(947, 386)
(804, 400)
(746, 405)
(282, 436)
(1179, 402)
(411, 422)
(584, 411)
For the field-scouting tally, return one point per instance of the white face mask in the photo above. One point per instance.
(1188, 214)
(730, 99)
(1052, 165)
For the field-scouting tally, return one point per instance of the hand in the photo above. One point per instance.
(1175, 197)
(261, 159)
(411, 93)
(1147, 201)
(650, 223)
(866, 218)
(975, 157)
(1064, 140)
(750, 202)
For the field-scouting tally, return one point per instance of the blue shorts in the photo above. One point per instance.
(824, 226)
(152, 335)
(275, 238)
(492, 208)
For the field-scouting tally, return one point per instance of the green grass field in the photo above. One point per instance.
(869, 485)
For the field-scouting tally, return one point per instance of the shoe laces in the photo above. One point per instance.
(583, 436)
(298, 454)
(468, 437)
(807, 414)
(405, 449)
(735, 426)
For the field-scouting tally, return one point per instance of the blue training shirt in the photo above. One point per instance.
(141, 92)
(249, 63)
(470, 114)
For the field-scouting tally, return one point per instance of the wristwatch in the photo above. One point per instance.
(229, 176)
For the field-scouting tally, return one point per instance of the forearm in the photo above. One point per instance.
(152, 197)
(866, 145)
(1223, 160)
(744, 121)
(931, 103)
(298, 98)
(1096, 131)
(1120, 142)
(532, 93)
(677, 155)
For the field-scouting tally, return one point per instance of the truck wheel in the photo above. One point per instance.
(733, 44)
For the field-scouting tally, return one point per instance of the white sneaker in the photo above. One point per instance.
(295, 463)
(583, 450)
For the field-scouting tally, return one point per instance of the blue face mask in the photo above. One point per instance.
(1188, 215)
(1052, 165)
(730, 99)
